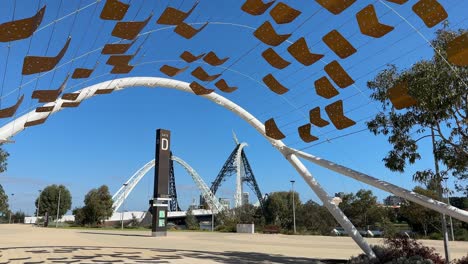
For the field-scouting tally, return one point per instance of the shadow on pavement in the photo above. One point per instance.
(57, 254)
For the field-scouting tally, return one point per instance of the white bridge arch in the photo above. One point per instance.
(122, 194)
(14, 127)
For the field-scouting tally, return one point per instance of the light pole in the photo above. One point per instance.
(38, 207)
(12, 195)
(58, 208)
(448, 202)
(294, 205)
(122, 213)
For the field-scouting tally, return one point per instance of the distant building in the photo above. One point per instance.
(245, 198)
(225, 202)
(393, 200)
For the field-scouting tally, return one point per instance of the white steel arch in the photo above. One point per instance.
(17, 125)
(122, 194)
(240, 173)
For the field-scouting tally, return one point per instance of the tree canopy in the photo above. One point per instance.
(362, 208)
(49, 198)
(98, 207)
(440, 91)
(4, 207)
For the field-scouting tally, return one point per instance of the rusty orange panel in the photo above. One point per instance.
(369, 23)
(430, 11)
(304, 133)
(338, 74)
(172, 16)
(212, 59)
(324, 88)
(187, 31)
(399, 96)
(274, 59)
(189, 57)
(35, 122)
(335, 6)
(256, 7)
(283, 13)
(70, 96)
(457, 50)
(129, 30)
(300, 51)
(267, 34)
(10, 111)
(336, 115)
(122, 69)
(274, 84)
(21, 29)
(116, 48)
(272, 130)
(82, 73)
(316, 119)
(339, 44)
(198, 89)
(46, 96)
(202, 75)
(114, 10)
(37, 64)
(223, 86)
(172, 71)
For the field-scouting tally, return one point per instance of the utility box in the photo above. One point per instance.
(245, 228)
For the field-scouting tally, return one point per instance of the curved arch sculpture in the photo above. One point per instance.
(122, 194)
(14, 127)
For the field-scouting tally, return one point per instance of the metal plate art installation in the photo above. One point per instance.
(114, 10)
(272, 130)
(116, 60)
(283, 14)
(172, 16)
(430, 11)
(117, 48)
(198, 89)
(71, 104)
(222, 85)
(103, 91)
(70, 96)
(122, 69)
(82, 73)
(304, 133)
(316, 119)
(172, 71)
(213, 59)
(324, 88)
(300, 51)
(274, 84)
(187, 31)
(369, 23)
(274, 59)
(47, 96)
(189, 57)
(338, 74)
(336, 115)
(129, 30)
(202, 75)
(10, 111)
(335, 6)
(339, 44)
(21, 29)
(35, 122)
(400, 2)
(267, 34)
(44, 109)
(256, 7)
(457, 50)
(399, 96)
(37, 64)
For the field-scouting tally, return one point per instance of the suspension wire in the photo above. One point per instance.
(7, 58)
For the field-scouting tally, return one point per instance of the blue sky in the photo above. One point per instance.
(109, 137)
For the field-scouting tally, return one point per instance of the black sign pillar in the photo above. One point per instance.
(161, 197)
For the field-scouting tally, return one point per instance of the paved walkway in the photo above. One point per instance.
(28, 244)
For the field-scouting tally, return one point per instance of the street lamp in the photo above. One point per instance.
(122, 212)
(294, 205)
(58, 208)
(38, 207)
(12, 195)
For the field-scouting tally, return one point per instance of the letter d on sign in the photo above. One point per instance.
(164, 144)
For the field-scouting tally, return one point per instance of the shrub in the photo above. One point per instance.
(463, 260)
(401, 250)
